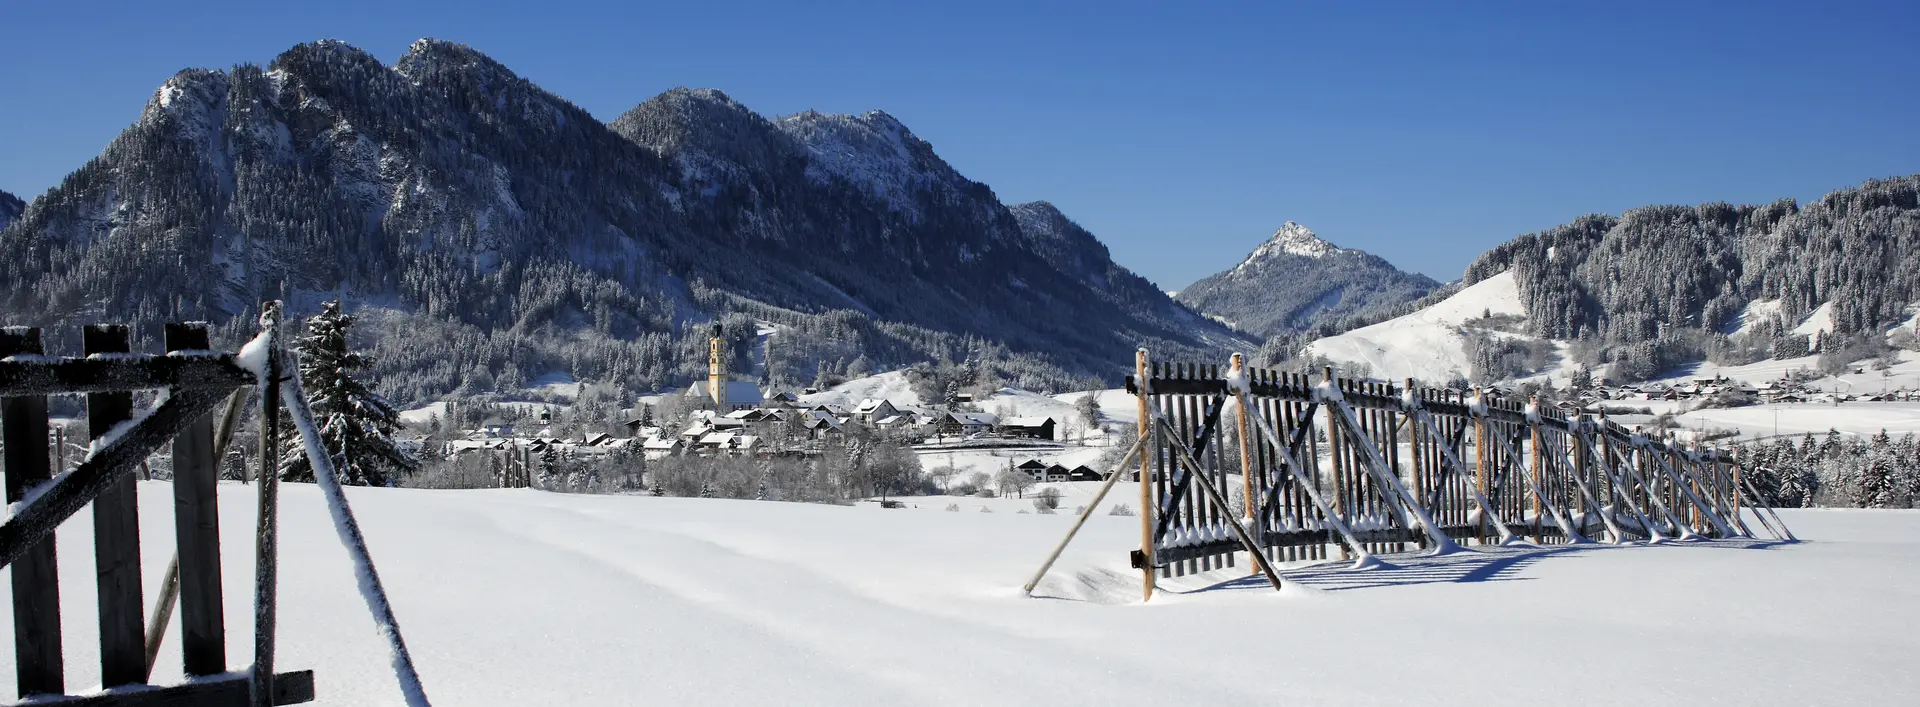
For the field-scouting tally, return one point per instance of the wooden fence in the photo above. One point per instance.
(194, 381)
(1288, 467)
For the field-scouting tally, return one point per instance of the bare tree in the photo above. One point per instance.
(1014, 481)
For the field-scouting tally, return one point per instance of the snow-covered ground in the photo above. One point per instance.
(1862, 419)
(1903, 375)
(892, 386)
(1425, 344)
(516, 597)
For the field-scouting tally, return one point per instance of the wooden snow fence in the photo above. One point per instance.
(196, 383)
(1287, 467)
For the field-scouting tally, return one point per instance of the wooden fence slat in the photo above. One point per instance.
(196, 527)
(40, 668)
(116, 532)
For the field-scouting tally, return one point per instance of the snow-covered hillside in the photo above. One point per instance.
(519, 597)
(891, 386)
(1425, 344)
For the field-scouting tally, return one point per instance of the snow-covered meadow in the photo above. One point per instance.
(515, 597)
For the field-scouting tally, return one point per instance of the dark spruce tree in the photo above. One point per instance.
(355, 424)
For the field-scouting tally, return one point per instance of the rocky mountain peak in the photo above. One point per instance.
(1291, 239)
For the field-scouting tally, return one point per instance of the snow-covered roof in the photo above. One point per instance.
(975, 418)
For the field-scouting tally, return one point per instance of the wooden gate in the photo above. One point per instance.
(193, 382)
(1356, 468)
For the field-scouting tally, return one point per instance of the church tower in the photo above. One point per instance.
(717, 369)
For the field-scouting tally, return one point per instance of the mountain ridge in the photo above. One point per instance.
(10, 208)
(464, 200)
(1296, 282)
(1657, 288)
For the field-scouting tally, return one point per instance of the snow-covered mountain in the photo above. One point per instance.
(1297, 281)
(464, 202)
(10, 208)
(1660, 288)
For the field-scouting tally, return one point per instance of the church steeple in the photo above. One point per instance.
(717, 369)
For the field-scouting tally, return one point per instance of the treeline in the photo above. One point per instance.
(846, 470)
(1835, 471)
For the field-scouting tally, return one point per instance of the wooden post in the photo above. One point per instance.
(1539, 467)
(116, 533)
(1249, 498)
(266, 550)
(1734, 470)
(1480, 451)
(196, 526)
(236, 409)
(36, 588)
(1147, 451)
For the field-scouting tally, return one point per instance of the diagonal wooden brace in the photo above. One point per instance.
(1453, 461)
(1206, 486)
(67, 493)
(1533, 484)
(1377, 466)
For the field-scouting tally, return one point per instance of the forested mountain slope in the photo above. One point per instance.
(1662, 285)
(497, 232)
(10, 208)
(1297, 282)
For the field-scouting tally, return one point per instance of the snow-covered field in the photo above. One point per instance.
(1855, 418)
(1425, 344)
(519, 597)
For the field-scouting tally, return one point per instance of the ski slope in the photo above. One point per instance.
(520, 597)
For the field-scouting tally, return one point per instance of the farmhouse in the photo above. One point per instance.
(1031, 427)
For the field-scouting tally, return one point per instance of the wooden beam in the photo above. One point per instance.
(40, 667)
(225, 690)
(1206, 487)
(116, 531)
(1113, 476)
(48, 376)
(196, 527)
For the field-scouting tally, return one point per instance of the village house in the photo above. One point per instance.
(873, 409)
(1030, 427)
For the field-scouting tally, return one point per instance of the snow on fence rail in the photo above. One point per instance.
(1287, 468)
(192, 381)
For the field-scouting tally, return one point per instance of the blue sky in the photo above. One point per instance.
(1182, 134)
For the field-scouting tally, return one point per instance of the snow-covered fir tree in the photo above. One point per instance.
(355, 424)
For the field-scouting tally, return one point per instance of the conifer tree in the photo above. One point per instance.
(1878, 479)
(355, 424)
